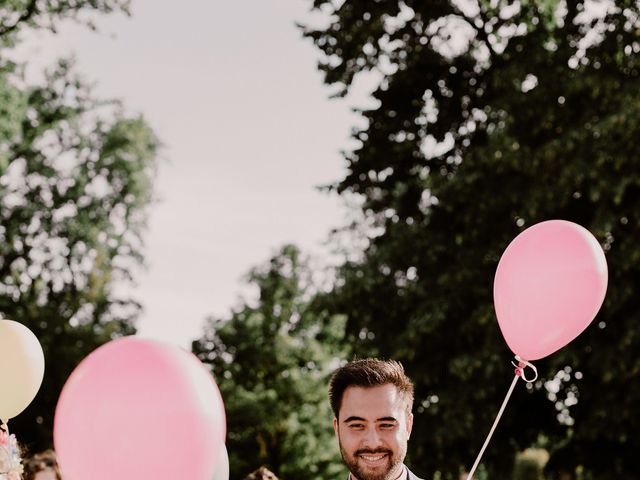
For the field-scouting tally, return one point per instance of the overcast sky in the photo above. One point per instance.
(232, 90)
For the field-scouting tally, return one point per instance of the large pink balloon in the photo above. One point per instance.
(139, 409)
(222, 469)
(549, 285)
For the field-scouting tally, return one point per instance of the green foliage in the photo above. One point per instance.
(17, 15)
(491, 117)
(529, 465)
(272, 361)
(75, 181)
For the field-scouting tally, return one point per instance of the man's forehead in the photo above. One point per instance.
(372, 403)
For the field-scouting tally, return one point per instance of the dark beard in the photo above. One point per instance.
(394, 464)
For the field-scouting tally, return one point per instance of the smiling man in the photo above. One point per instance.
(371, 401)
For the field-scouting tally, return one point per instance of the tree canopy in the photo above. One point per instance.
(491, 116)
(271, 360)
(75, 181)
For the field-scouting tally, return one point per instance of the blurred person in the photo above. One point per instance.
(263, 473)
(371, 401)
(10, 461)
(42, 466)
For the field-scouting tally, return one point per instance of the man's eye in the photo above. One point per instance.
(356, 426)
(387, 426)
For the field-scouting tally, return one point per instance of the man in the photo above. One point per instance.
(371, 401)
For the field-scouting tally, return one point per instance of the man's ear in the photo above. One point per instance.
(409, 424)
(335, 425)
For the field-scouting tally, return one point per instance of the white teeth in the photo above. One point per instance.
(372, 459)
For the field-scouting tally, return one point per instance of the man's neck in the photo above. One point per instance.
(403, 472)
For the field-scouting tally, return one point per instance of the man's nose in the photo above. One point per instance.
(372, 438)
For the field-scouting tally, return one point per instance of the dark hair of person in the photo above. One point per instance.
(263, 473)
(41, 462)
(366, 373)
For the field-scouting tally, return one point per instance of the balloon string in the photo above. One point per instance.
(519, 372)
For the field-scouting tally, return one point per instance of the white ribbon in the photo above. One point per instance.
(521, 365)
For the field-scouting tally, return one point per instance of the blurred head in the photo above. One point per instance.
(372, 400)
(42, 466)
(10, 456)
(263, 473)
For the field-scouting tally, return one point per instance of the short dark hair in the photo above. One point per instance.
(41, 462)
(369, 372)
(263, 473)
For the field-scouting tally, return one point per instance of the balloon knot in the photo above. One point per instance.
(520, 369)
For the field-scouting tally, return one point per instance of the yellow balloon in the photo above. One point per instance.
(21, 368)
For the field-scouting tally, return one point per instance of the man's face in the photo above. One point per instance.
(373, 428)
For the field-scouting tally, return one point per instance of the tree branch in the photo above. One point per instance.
(31, 10)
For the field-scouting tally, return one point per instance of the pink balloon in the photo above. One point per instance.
(139, 409)
(222, 469)
(549, 285)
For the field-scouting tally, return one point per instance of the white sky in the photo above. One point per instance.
(232, 90)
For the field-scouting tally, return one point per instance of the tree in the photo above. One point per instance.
(75, 182)
(492, 116)
(272, 361)
(17, 15)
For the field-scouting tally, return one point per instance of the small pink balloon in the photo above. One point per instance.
(549, 285)
(139, 409)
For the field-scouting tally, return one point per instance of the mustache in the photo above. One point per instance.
(367, 451)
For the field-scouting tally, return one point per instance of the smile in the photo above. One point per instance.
(373, 459)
